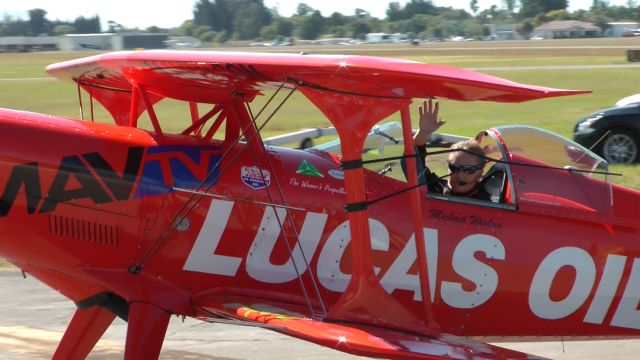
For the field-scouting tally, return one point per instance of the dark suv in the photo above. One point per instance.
(614, 132)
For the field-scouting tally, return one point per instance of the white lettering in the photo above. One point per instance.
(539, 294)
(627, 314)
(329, 273)
(203, 257)
(606, 289)
(466, 265)
(258, 263)
(398, 277)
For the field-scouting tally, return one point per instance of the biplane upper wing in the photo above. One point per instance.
(358, 339)
(213, 77)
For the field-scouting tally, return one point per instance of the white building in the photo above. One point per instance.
(617, 28)
(29, 43)
(386, 38)
(565, 29)
(72, 42)
(101, 41)
(504, 31)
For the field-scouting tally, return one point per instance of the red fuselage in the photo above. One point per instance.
(82, 203)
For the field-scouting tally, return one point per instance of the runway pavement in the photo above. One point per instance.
(33, 318)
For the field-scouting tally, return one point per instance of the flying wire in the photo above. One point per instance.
(186, 208)
(281, 224)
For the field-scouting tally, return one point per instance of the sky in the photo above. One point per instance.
(168, 14)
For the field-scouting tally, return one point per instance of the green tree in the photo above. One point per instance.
(360, 29)
(249, 19)
(221, 38)
(311, 26)
(339, 31)
(531, 8)
(400, 26)
(218, 15)
(186, 29)
(473, 5)
(417, 24)
(304, 9)
(525, 28)
(599, 5)
(337, 19)
(201, 30)
(510, 5)
(601, 21)
(38, 22)
(63, 29)
(414, 7)
(394, 12)
(87, 25)
(284, 27)
(208, 36)
(558, 15)
(269, 32)
(541, 19)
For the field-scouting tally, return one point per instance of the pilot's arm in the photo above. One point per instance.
(428, 123)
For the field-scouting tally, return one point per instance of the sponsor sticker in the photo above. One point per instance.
(252, 178)
(336, 174)
(306, 168)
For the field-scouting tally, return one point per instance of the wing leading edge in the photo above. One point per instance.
(213, 77)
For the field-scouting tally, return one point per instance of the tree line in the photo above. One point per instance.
(38, 25)
(223, 20)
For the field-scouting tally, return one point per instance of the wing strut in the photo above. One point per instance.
(80, 101)
(198, 124)
(147, 103)
(426, 288)
(353, 116)
(133, 113)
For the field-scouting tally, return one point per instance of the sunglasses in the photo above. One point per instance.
(467, 169)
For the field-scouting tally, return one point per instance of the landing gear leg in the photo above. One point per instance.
(146, 330)
(85, 329)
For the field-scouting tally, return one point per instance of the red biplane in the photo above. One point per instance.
(211, 223)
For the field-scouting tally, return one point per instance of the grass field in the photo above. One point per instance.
(555, 63)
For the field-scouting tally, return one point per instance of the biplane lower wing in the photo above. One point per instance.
(357, 339)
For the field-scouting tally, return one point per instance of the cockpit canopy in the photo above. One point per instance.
(547, 168)
(525, 165)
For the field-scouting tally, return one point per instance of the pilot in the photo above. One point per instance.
(465, 167)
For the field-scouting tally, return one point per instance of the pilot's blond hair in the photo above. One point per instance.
(469, 146)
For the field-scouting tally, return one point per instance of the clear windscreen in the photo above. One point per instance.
(552, 170)
(552, 149)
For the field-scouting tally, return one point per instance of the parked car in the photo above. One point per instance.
(611, 133)
(629, 100)
(631, 33)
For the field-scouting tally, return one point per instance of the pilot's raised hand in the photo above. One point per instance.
(428, 121)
